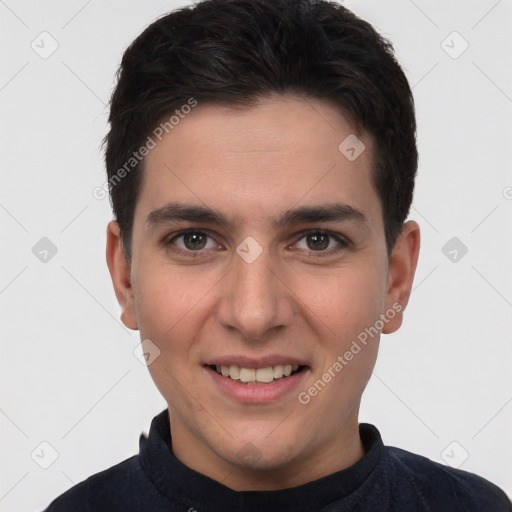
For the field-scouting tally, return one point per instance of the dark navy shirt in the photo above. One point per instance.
(385, 479)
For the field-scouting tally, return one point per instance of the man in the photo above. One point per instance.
(261, 163)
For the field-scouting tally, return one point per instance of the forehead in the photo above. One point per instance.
(280, 152)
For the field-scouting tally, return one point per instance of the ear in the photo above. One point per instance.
(402, 267)
(119, 268)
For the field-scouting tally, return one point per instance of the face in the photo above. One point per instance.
(258, 250)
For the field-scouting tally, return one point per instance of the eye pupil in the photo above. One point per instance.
(194, 240)
(318, 241)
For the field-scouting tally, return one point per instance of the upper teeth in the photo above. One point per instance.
(263, 375)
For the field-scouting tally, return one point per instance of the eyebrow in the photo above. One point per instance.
(302, 215)
(325, 213)
(177, 211)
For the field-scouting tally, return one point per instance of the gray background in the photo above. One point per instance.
(69, 377)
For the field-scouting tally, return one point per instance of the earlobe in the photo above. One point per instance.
(402, 267)
(120, 273)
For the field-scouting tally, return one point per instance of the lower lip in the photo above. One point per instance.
(257, 393)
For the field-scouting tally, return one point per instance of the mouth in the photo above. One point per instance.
(264, 375)
(266, 379)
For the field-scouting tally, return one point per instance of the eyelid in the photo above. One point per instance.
(182, 232)
(343, 242)
(169, 239)
(338, 236)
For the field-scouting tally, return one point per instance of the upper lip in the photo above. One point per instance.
(255, 362)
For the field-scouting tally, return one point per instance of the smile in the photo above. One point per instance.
(265, 375)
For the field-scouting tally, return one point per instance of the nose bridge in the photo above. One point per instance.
(254, 301)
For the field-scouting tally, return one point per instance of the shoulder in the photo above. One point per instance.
(439, 485)
(121, 487)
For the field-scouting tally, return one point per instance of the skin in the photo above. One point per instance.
(252, 164)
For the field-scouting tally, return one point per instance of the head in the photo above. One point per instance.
(261, 161)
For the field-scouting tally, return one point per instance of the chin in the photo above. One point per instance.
(252, 459)
(263, 452)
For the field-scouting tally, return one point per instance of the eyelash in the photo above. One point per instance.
(169, 241)
(343, 243)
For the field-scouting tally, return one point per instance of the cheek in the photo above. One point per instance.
(172, 309)
(340, 312)
(344, 302)
(169, 302)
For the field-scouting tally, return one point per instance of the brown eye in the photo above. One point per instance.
(317, 241)
(194, 241)
(323, 243)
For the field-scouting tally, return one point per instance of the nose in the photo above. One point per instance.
(255, 299)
